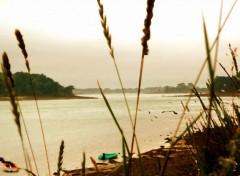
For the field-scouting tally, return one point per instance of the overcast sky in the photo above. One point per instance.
(64, 39)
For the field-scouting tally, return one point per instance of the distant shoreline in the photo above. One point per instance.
(179, 94)
(25, 98)
(208, 95)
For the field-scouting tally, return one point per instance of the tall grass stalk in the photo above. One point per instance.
(145, 50)
(210, 65)
(23, 48)
(211, 87)
(108, 37)
(195, 83)
(9, 83)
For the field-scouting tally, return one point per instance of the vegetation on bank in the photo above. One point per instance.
(180, 88)
(227, 84)
(43, 86)
(223, 84)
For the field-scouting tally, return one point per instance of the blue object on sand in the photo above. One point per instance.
(108, 156)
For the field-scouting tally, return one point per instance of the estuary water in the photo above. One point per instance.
(86, 125)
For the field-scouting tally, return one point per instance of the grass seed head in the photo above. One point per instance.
(147, 24)
(7, 67)
(21, 42)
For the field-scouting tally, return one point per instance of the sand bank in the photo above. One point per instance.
(180, 163)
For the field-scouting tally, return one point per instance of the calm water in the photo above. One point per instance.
(86, 125)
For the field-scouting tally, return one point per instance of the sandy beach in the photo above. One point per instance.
(180, 163)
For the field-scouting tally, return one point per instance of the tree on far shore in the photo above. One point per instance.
(43, 86)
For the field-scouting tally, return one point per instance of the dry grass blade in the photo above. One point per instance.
(234, 83)
(211, 90)
(29, 172)
(84, 164)
(218, 39)
(188, 127)
(124, 159)
(60, 158)
(210, 69)
(114, 117)
(94, 164)
(234, 59)
(208, 51)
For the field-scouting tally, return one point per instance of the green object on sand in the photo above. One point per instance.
(108, 156)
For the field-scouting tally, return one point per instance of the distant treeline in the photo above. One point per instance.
(43, 86)
(180, 88)
(222, 85)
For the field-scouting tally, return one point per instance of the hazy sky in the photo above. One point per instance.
(64, 39)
